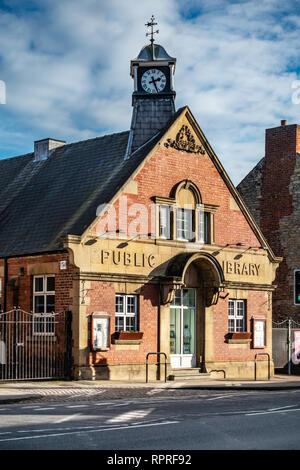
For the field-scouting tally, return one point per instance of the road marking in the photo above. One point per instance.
(281, 408)
(254, 413)
(92, 430)
(226, 396)
(42, 409)
(76, 406)
(67, 418)
(219, 397)
(60, 429)
(101, 404)
(137, 414)
(123, 404)
(30, 407)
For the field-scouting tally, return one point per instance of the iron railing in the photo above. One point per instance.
(284, 350)
(158, 354)
(34, 346)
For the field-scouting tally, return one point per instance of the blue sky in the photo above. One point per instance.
(66, 68)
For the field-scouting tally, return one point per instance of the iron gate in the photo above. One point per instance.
(35, 346)
(282, 339)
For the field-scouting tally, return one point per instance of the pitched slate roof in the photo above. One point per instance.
(42, 201)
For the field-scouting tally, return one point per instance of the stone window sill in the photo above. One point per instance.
(238, 341)
(127, 341)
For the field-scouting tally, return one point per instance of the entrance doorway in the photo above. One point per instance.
(183, 328)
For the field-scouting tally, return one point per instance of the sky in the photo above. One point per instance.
(66, 64)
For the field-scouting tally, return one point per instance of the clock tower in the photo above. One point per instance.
(153, 98)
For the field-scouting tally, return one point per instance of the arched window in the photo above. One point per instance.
(184, 217)
(188, 199)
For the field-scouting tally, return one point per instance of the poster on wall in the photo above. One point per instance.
(296, 355)
(259, 337)
(100, 332)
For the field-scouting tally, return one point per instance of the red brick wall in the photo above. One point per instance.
(167, 167)
(102, 295)
(255, 305)
(22, 295)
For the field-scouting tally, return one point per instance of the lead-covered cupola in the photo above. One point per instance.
(153, 98)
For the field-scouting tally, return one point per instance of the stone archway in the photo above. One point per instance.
(211, 274)
(195, 275)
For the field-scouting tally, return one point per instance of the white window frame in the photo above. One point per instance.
(204, 226)
(235, 316)
(45, 315)
(186, 229)
(126, 313)
(164, 221)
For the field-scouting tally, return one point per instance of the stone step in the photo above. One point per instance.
(188, 374)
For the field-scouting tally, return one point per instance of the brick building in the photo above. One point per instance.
(144, 238)
(271, 192)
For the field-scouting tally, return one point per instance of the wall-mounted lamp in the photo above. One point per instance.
(225, 246)
(125, 243)
(240, 255)
(235, 244)
(223, 297)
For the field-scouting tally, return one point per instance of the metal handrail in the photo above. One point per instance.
(157, 353)
(269, 362)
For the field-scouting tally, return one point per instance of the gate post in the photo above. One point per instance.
(68, 352)
(289, 347)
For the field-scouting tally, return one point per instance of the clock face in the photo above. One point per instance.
(153, 81)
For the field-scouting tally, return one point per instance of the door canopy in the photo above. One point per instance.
(209, 269)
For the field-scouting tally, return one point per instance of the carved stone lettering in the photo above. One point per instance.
(237, 269)
(245, 271)
(241, 269)
(229, 267)
(104, 256)
(151, 261)
(127, 258)
(139, 260)
(116, 257)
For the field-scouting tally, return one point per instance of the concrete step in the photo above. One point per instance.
(188, 374)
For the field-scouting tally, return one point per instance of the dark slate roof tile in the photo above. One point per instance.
(42, 201)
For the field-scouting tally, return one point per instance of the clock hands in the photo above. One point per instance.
(154, 80)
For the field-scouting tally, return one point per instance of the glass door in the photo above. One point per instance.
(182, 328)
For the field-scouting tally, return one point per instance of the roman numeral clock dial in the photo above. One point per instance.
(153, 81)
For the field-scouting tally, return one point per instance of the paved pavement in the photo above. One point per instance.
(53, 391)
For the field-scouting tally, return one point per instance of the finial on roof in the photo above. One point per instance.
(150, 24)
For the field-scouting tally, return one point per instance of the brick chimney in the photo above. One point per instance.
(43, 148)
(283, 141)
(282, 145)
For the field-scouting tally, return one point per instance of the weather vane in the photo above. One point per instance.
(150, 24)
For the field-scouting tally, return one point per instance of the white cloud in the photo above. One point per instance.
(66, 68)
